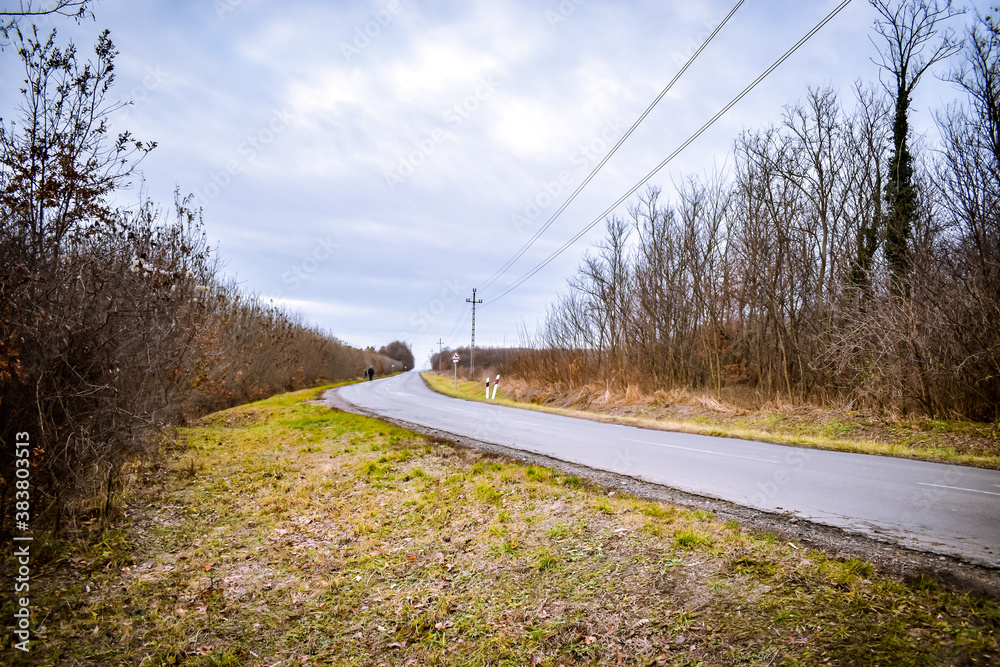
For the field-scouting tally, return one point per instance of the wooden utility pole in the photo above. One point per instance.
(472, 352)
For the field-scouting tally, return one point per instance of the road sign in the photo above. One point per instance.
(456, 358)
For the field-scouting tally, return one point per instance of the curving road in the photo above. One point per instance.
(933, 507)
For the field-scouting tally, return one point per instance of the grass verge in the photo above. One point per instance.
(959, 442)
(281, 532)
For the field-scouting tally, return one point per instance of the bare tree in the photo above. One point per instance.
(11, 17)
(968, 180)
(914, 42)
(869, 139)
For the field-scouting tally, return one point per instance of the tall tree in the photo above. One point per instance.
(915, 40)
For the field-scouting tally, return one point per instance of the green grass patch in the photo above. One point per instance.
(690, 539)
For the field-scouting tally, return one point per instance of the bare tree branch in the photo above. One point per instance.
(10, 18)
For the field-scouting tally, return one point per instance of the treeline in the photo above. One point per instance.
(115, 321)
(486, 358)
(396, 356)
(835, 262)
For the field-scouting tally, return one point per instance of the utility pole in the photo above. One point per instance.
(440, 350)
(472, 352)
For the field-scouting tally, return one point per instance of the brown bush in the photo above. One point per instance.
(115, 321)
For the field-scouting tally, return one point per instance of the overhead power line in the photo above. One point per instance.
(614, 149)
(463, 319)
(538, 267)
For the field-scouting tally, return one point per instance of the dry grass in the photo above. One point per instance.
(741, 416)
(307, 536)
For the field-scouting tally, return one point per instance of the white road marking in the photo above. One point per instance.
(702, 451)
(959, 488)
(451, 409)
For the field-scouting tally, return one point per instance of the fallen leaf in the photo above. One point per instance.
(208, 566)
(589, 640)
(395, 645)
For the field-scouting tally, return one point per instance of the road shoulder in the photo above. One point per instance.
(884, 556)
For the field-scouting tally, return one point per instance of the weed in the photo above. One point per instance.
(690, 539)
(486, 493)
(546, 560)
(602, 505)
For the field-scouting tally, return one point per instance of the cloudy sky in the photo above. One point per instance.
(368, 163)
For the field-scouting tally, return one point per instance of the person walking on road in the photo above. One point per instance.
(370, 373)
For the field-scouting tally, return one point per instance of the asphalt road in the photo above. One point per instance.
(932, 507)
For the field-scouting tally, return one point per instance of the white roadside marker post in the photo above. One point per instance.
(495, 385)
(455, 359)
(487, 387)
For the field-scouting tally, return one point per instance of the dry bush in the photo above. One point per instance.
(115, 321)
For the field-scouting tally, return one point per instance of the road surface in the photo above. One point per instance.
(932, 507)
